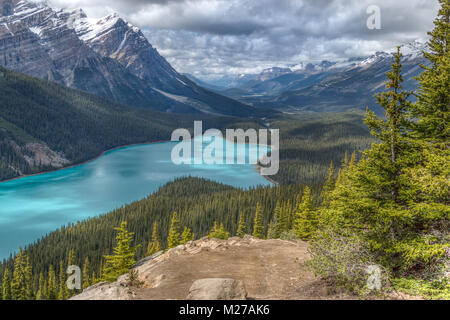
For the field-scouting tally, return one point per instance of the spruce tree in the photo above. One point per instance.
(72, 258)
(241, 230)
(52, 290)
(258, 227)
(174, 237)
(305, 222)
(187, 236)
(329, 185)
(123, 255)
(394, 198)
(42, 292)
(19, 281)
(276, 223)
(432, 106)
(63, 291)
(6, 286)
(391, 132)
(87, 281)
(154, 245)
(219, 232)
(284, 224)
(29, 280)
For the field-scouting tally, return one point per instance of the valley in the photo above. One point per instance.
(359, 207)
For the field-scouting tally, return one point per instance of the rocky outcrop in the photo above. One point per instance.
(28, 158)
(237, 268)
(259, 269)
(40, 155)
(106, 291)
(217, 289)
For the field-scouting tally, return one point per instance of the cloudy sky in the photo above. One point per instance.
(210, 38)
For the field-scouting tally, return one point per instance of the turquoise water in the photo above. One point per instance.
(33, 206)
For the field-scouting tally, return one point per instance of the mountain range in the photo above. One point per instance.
(108, 57)
(323, 86)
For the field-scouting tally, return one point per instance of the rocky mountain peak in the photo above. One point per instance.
(109, 57)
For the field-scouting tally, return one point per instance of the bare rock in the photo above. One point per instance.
(217, 289)
(106, 291)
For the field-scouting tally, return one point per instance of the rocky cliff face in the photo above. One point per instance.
(109, 57)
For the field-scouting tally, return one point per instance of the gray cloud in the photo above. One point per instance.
(215, 37)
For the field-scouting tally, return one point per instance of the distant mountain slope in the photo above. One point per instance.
(44, 125)
(109, 57)
(328, 86)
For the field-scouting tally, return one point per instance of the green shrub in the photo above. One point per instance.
(436, 290)
(345, 261)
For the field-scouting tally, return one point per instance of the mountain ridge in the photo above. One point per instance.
(325, 86)
(109, 57)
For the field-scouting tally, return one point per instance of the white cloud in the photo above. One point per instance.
(208, 37)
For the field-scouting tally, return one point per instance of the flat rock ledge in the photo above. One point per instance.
(217, 289)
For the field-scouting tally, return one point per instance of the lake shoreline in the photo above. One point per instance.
(257, 167)
(84, 162)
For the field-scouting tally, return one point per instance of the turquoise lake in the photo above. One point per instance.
(31, 207)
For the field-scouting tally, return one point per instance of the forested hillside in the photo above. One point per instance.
(309, 142)
(199, 203)
(75, 125)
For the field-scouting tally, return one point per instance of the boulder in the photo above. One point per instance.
(217, 289)
(106, 291)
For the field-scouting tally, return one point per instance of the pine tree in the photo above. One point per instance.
(187, 236)
(87, 281)
(52, 291)
(305, 222)
(276, 223)
(63, 291)
(392, 131)
(329, 185)
(258, 227)
(241, 230)
(154, 246)
(432, 106)
(42, 291)
(174, 237)
(100, 272)
(219, 232)
(394, 200)
(6, 286)
(29, 280)
(285, 218)
(19, 281)
(72, 258)
(123, 258)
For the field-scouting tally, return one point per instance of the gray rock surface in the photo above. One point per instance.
(109, 57)
(106, 291)
(217, 289)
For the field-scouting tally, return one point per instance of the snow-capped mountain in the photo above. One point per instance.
(108, 57)
(329, 85)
